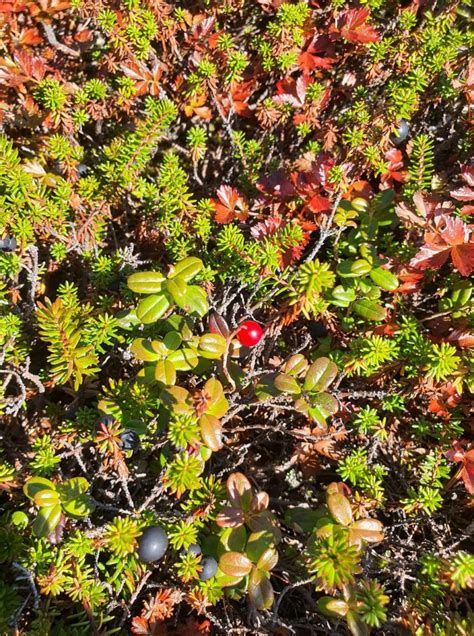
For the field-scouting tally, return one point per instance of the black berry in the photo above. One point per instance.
(152, 545)
(130, 440)
(317, 329)
(209, 568)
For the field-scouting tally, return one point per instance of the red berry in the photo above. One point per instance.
(249, 333)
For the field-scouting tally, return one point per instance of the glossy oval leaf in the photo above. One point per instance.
(369, 310)
(332, 606)
(295, 365)
(320, 375)
(172, 340)
(34, 485)
(152, 308)
(177, 287)
(239, 490)
(260, 590)
(211, 432)
(384, 279)
(235, 564)
(287, 384)
(212, 346)
(143, 350)
(184, 359)
(79, 507)
(187, 268)
(165, 372)
(47, 498)
(368, 530)
(195, 301)
(268, 560)
(145, 282)
(47, 520)
(340, 509)
(218, 325)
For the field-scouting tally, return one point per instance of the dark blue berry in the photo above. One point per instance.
(401, 133)
(153, 544)
(130, 440)
(107, 420)
(8, 244)
(209, 568)
(195, 549)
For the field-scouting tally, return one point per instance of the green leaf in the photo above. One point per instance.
(152, 308)
(177, 399)
(295, 365)
(287, 384)
(172, 340)
(211, 431)
(81, 506)
(187, 268)
(384, 279)
(196, 301)
(320, 375)
(177, 287)
(47, 520)
(342, 296)
(257, 544)
(232, 540)
(369, 310)
(145, 282)
(260, 590)
(332, 606)
(212, 346)
(165, 372)
(72, 488)
(47, 498)
(340, 508)
(184, 359)
(143, 350)
(322, 406)
(36, 484)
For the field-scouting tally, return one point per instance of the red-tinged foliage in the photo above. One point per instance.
(354, 27)
(460, 454)
(465, 192)
(146, 81)
(237, 99)
(309, 59)
(461, 338)
(450, 237)
(395, 164)
(292, 91)
(230, 206)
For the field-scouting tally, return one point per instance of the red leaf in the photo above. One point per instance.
(291, 91)
(231, 205)
(464, 193)
(308, 61)
(451, 237)
(354, 28)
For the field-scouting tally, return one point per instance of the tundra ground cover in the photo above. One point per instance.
(236, 317)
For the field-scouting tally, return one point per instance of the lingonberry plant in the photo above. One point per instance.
(236, 317)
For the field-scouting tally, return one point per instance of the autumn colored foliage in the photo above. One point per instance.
(236, 317)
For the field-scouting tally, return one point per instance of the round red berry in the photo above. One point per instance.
(249, 333)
